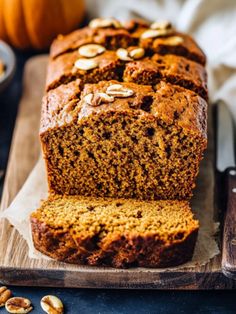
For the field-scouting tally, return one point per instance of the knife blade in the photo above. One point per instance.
(225, 138)
(225, 163)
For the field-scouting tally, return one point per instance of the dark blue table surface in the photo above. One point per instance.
(80, 301)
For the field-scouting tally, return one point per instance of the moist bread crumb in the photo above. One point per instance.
(115, 232)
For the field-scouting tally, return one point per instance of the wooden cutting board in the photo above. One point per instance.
(18, 269)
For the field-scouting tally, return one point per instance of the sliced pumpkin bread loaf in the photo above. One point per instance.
(119, 233)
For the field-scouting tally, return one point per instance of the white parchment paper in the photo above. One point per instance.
(35, 189)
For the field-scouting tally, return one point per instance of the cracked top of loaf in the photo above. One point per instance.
(131, 52)
(162, 69)
(130, 34)
(165, 102)
(146, 70)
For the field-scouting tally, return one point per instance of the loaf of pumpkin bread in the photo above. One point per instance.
(119, 233)
(125, 112)
(123, 121)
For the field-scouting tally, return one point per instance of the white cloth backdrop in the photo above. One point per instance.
(211, 22)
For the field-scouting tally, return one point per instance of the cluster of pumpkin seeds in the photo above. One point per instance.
(20, 305)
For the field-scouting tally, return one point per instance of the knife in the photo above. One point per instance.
(225, 163)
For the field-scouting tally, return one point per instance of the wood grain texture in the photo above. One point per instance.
(15, 265)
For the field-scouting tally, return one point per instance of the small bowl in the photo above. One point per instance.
(7, 56)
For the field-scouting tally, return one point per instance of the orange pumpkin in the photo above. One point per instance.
(35, 23)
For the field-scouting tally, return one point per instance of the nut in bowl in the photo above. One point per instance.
(7, 65)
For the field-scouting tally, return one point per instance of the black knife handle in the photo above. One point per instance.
(229, 234)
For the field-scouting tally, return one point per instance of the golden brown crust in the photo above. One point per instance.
(129, 35)
(63, 69)
(186, 109)
(57, 101)
(147, 71)
(187, 48)
(110, 38)
(122, 253)
(170, 103)
(170, 68)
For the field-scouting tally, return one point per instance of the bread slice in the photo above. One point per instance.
(146, 144)
(63, 70)
(148, 71)
(115, 232)
(109, 37)
(169, 68)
